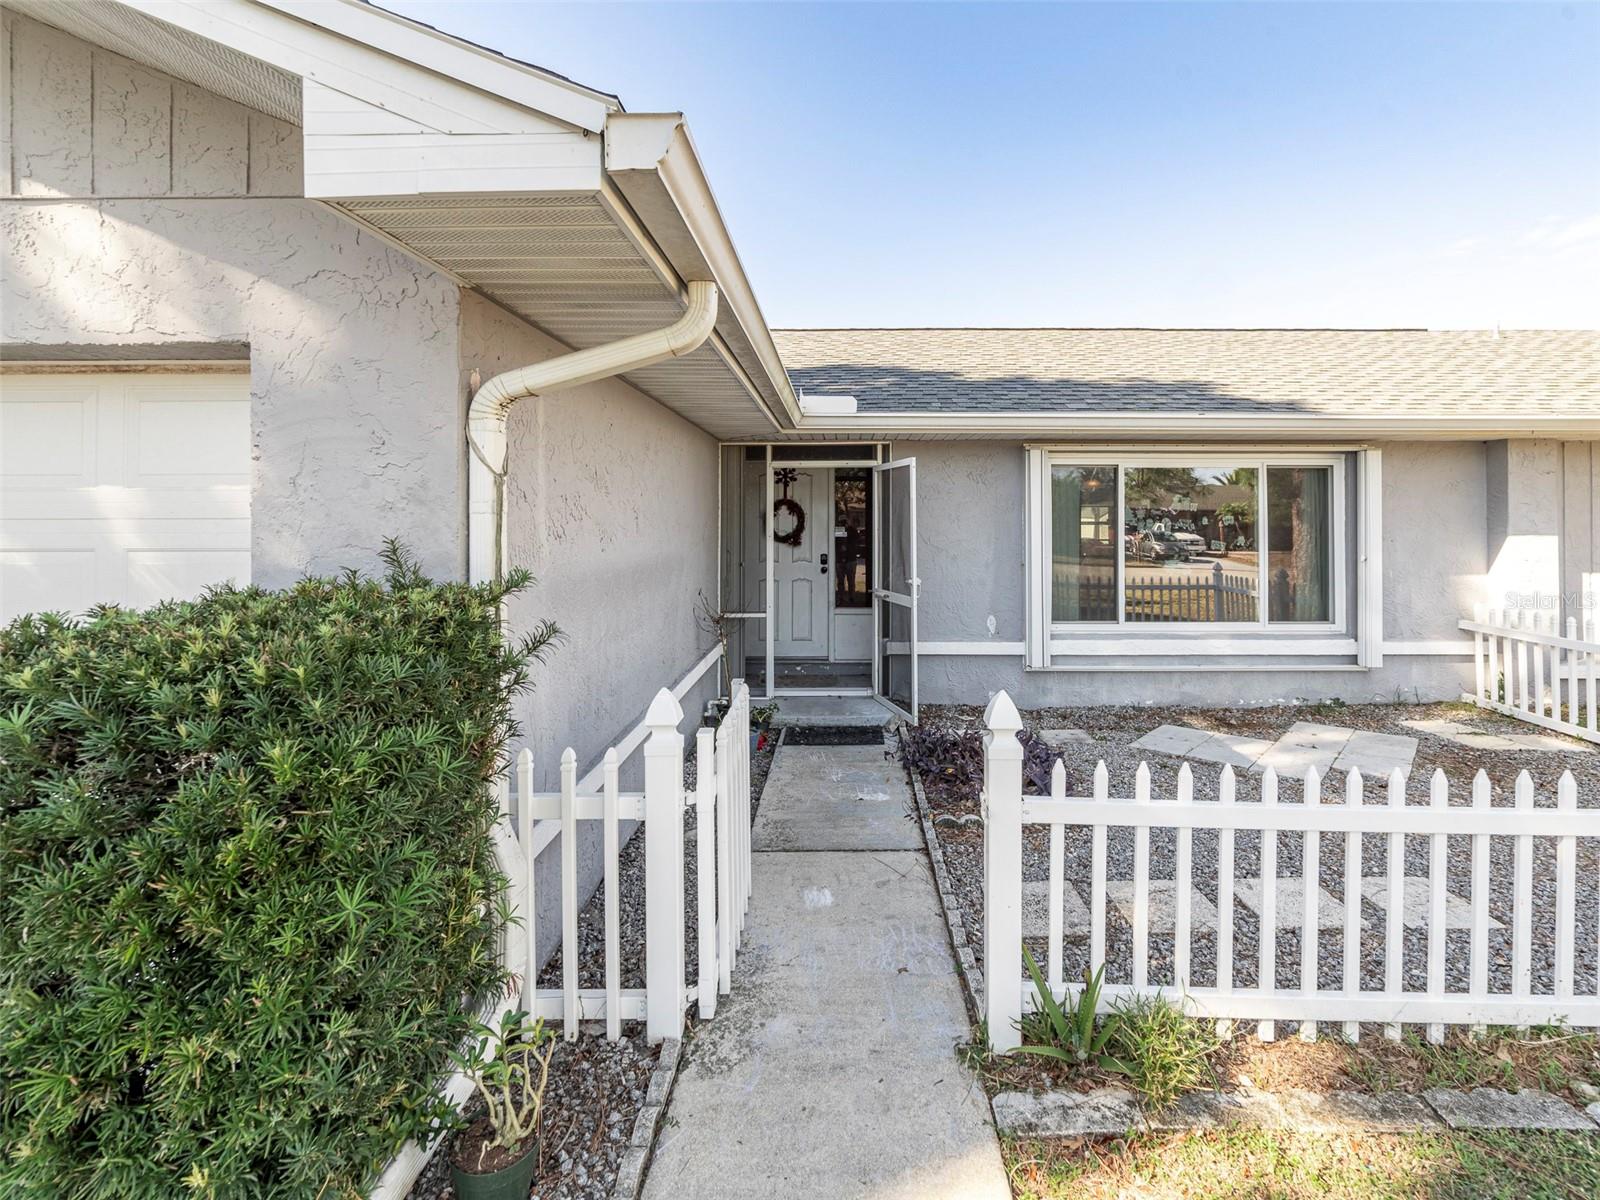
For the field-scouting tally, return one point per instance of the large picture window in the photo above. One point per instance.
(1246, 541)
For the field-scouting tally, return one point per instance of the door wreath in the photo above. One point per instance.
(797, 531)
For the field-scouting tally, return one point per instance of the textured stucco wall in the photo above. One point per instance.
(612, 504)
(1544, 526)
(144, 217)
(87, 122)
(971, 560)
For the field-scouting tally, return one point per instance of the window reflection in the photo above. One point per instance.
(852, 537)
(1190, 543)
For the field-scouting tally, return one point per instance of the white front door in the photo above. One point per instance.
(121, 488)
(802, 590)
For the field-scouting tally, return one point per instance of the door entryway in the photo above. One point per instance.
(826, 560)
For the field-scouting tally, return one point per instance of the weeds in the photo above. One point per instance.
(1165, 1052)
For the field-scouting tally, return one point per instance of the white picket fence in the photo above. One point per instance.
(721, 802)
(1528, 668)
(1007, 812)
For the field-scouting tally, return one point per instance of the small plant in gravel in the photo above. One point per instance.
(1075, 1034)
(1164, 1052)
(509, 1069)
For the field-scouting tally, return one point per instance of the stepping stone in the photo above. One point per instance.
(1475, 740)
(1036, 911)
(1230, 748)
(1548, 744)
(1491, 1108)
(1289, 911)
(1304, 746)
(1102, 1112)
(1376, 754)
(1414, 902)
(1064, 737)
(1443, 729)
(1478, 739)
(1172, 739)
(1163, 906)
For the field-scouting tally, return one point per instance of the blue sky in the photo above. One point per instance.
(1195, 164)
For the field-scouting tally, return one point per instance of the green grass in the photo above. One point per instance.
(1260, 1164)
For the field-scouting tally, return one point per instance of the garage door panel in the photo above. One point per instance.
(124, 489)
(48, 441)
(156, 575)
(214, 503)
(178, 441)
(45, 580)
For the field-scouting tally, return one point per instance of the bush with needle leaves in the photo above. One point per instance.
(248, 903)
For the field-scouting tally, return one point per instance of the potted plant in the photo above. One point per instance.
(497, 1155)
(760, 723)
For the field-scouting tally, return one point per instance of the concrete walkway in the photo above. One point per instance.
(831, 1070)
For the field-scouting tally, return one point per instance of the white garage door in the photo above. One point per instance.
(124, 488)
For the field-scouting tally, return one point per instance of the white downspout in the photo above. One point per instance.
(491, 408)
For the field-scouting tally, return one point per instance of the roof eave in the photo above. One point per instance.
(652, 161)
(1188, 426)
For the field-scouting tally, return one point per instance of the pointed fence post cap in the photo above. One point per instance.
(665, 711)
(1001, 715)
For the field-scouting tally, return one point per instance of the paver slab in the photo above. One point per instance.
(1164, 905)
(1289, 906)
(1171, 739)
(1491, 1108)
(1065, 737)
(1036, 911)
(1230, 748)
(1415, 902)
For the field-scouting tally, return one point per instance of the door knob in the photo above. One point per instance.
(823, 558)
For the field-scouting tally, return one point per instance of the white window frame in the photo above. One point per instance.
(1048, 638)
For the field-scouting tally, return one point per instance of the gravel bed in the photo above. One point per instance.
(630, 903)
(595, 1091)
(1113, 729)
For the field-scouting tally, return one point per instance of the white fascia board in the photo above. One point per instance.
(1208, 426)
(652, 160)
(521, 83)
(458, 100)
(813, 405)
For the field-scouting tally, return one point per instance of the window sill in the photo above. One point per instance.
(1185, 645)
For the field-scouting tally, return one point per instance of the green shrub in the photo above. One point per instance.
(248, 902)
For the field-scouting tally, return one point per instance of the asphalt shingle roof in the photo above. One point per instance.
(1336, 372)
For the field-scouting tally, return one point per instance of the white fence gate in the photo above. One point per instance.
(721, 803)
(1007, 812)
(1527, 668)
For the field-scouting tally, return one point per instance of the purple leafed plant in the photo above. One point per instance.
(954, 758)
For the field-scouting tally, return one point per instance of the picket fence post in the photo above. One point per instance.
(663, 880)
(1002, 851)
(705, 848)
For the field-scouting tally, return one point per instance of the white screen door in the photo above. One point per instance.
(895, 584)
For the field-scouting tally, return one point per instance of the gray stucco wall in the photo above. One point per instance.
(1436, 539)
(613, 507)
(143, 212)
